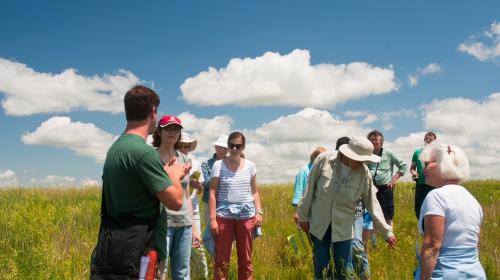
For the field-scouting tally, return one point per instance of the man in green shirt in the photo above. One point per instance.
(383, 174)
(134, 182)
(417, 174)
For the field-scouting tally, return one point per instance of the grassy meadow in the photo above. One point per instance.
(48, 233)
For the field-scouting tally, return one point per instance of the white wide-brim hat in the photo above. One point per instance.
(221, 141)
(186, 138)
(360, 149)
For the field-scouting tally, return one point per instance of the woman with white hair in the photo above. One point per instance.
(450, 218)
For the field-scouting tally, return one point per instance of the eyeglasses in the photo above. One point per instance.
(237, 146)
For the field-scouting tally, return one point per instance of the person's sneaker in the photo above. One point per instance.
(374, 240)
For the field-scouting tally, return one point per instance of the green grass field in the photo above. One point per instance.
(49, 233)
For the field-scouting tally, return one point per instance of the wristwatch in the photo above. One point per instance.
(260, 212)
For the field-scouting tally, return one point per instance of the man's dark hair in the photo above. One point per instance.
(139, 101)
(431, 134)
(341, 141)
(375, 133)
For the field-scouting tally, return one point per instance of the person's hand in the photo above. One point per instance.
(391, 242)
(304, 226)
(214, 227)
(196, 239)
(414, 177)
(392, 184)
(196, 185)
(177, 170)
(258, 220)
(296, 218)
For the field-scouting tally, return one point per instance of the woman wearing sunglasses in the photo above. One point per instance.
(178, 236)
(235, 209)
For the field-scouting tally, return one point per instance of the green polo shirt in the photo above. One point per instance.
(420, 166)
(385, 169)
(132, 175)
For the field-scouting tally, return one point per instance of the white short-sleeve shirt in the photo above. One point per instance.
(462, 213)
(234, 187)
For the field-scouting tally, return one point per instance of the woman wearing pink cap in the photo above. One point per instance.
(177, 225)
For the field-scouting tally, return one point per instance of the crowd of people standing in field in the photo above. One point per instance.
(342, 199)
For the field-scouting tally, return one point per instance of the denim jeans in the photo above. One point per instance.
(179, 240)
(208, 240)
(359, 257)
(342, 257)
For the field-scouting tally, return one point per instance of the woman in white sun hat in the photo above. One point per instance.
(335, 184)
(186, 145)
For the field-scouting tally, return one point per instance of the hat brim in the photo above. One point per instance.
(192, 144)
(220, 144)
(171, 123)
(346, 151)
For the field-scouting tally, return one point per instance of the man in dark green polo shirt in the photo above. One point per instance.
(134, 182)
(417, 174)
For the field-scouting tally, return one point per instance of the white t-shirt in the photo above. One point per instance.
(234, 187)
(462, 213)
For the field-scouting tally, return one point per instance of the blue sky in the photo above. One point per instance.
(291, 75)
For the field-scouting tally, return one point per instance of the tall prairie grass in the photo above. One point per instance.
(48, 233)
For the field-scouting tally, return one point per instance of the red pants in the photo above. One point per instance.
(243, 231)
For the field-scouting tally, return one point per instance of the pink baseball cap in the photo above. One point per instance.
(168, 120)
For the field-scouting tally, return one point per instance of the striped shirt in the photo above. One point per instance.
(234, 192)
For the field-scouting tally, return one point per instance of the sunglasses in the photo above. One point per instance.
(184, 146)
(173, 128)
(237, 146)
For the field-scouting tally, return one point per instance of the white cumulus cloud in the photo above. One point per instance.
(8, 178)
(286, 80)
(89, 182)
(29, 92)
(485, 47)
(53, 180)
(472, 125)
(432, 68)
(280, 147)
(85, 139)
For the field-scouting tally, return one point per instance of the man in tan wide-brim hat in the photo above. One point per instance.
(336, 182)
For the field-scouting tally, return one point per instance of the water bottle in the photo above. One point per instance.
(258, 231)
(148, 265)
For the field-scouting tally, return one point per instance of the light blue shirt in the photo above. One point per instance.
(301, 183)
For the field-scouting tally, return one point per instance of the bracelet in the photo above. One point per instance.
(260, 213)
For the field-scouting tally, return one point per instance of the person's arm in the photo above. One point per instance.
(205, 172)
(369, 197)
(259, 218)
(402, 167)
(304, 208)
(171, 196)
(214, 183)
(433, 236)
(298, 187)
(196, 240)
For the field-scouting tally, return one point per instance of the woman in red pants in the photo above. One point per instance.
(235, 209)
